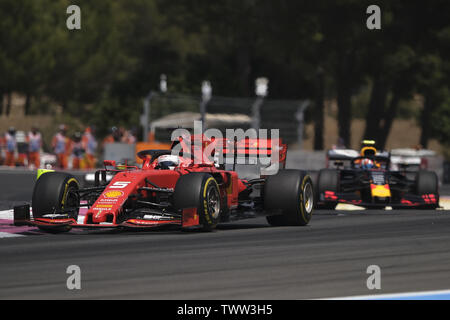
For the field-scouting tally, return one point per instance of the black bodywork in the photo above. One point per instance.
(375, 187)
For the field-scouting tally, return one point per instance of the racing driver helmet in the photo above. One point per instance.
(367, 164)
(167, 161)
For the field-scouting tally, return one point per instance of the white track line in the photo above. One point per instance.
(348, 207)
(7, 214)
(10, 235)
(444, 202)
(404, 295)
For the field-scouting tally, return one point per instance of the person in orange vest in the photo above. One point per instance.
(11, 144)
(90, 146)
(34, 140)
(77, 151)
(61, 146)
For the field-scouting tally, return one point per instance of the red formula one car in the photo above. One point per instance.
(181, 189)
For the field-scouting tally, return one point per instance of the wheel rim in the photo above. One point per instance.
(308, 198)
(213, 202)
(72, 201)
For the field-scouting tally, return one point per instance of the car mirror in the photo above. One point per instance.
(109, 163)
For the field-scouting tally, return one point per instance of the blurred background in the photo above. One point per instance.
(331, 80)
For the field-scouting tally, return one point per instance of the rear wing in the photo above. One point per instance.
(264, 156)
(342, 154)
(219, 150)
(247, 148)
(338, 156)
(408, 152)
(406, 158)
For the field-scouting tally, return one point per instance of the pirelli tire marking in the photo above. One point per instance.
(206, 208)
(66, 187)
(306, 198)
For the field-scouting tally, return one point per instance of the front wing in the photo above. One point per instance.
(407, 200)
(22, 217)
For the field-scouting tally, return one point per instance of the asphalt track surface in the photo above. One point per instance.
(243, 260)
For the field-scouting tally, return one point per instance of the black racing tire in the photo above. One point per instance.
(290, 194)
(199, 190)
(328, 180)
(427, 183)
(55, 191)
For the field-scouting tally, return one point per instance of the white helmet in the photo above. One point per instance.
(168, 161)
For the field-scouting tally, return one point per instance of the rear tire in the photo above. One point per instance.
(291, 194)
(199, 190)
(55, 191)
(328, 180)
(427, 183)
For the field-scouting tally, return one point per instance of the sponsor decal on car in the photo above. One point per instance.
(108, 200)
(104, 206)
(119, 184)
(113, 194)
(381, 191)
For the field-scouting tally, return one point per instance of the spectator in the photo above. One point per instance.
(77, 150)
(22, 148)
(114, 136)
(11, 145)
(34, 147)
(61, 147)
(129, 137)
(89, 146)
(340, 144)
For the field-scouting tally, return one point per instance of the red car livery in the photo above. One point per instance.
(190, 185)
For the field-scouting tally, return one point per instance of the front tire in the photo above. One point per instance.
(199, 190)
(427, 183)
(328, 180)
(53, 192)
(291, 194)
